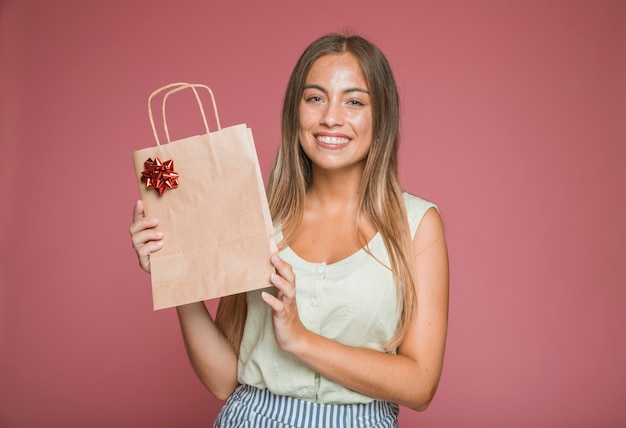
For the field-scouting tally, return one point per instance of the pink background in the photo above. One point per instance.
(513, 122)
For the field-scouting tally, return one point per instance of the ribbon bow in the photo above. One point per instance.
(159, 176)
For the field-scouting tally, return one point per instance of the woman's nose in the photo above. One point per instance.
(333, 115)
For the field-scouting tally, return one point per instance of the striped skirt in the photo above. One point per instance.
(251, 407)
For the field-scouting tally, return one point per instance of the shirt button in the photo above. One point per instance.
(303, 392)
(319, 268)
(314, 301)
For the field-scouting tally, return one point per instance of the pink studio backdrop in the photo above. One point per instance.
(513, 122)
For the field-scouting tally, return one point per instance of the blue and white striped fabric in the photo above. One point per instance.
(250, 407)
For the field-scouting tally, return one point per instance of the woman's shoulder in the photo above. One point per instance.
(416, 208)
(415, 203)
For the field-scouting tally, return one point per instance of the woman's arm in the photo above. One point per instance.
(409, 378)
(212, 358)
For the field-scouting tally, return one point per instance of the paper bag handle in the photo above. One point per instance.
(179, 86)
(193, 87)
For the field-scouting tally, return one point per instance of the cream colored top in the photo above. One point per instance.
(352, 301)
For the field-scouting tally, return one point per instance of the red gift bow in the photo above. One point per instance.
(159, 176)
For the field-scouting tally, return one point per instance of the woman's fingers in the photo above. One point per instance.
(140, 222)
(288, 328)
(272, 301)
(283, 268)
(138, 211)
(283, 279)
(284, 287)
(143, 254)
(144, 237)
(144, 234)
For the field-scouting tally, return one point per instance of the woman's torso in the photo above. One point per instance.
(352, 301)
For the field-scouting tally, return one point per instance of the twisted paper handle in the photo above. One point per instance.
(177, 88)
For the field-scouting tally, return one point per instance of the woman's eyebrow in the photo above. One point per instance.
(345, 91)
(314, 86)
(365, 91)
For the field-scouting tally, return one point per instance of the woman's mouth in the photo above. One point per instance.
(332, 140)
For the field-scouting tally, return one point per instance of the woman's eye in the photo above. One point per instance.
(355, 103)
(314, 99)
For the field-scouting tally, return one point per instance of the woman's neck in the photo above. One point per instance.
(335, 188)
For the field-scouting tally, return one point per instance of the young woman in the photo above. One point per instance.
(356, 322)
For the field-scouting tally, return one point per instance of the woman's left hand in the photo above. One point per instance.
(288, 329)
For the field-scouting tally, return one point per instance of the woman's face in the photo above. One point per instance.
(336, 114)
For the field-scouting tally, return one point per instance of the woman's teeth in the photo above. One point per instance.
(332, 140)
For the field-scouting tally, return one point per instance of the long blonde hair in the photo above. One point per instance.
(380, 193)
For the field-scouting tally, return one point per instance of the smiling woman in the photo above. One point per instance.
(336, 114)
(364, 329)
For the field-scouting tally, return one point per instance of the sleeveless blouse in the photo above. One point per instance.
(352, 301)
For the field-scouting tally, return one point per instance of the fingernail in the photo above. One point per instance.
(159, 234)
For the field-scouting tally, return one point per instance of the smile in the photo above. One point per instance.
(334, 141)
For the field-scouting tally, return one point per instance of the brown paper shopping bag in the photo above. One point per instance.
(208, 194)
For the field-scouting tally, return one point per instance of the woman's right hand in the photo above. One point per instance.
(145, 238)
